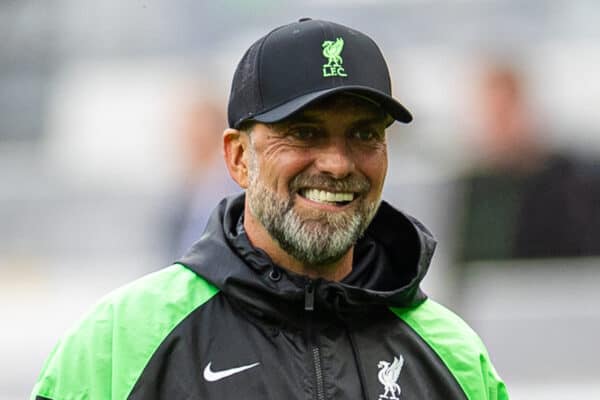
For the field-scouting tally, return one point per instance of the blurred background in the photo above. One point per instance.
(111, 114)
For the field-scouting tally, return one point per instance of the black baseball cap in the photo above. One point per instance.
(304, 61)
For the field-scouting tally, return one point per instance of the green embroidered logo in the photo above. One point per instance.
(332, 51)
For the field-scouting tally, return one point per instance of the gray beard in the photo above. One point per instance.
(317, 241)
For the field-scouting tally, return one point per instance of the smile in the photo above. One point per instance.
(325, 197)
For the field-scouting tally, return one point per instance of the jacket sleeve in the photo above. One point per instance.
(459, 348)
(103, 356)
(496, 389)
(80, 365)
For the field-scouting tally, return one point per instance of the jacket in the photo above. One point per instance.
(226, 323)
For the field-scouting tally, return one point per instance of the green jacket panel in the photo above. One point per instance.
(112, 344)
(458, 346)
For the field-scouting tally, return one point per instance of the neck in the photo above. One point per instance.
(260, 238)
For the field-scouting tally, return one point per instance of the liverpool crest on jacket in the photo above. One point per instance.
(388, 376)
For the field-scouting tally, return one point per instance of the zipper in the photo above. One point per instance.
(318, 372)
(309, 307)
(309, 296)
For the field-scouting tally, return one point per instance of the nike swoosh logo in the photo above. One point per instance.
(213, 376)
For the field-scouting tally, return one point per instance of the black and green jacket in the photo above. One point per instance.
(226, 323)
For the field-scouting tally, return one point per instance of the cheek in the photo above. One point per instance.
(374, 166)
(280, 167)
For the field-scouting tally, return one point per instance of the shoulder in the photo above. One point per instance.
(436, 323)
(161, 298)
(105, 352)
(174, 285)
(458, 346)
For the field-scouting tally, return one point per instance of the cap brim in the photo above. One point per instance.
(387, 103)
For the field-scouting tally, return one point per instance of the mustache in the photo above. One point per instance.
(351, 183)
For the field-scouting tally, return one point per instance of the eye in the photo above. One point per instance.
(367, 134)
(304, 132)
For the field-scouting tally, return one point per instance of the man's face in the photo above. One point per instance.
(315, 179)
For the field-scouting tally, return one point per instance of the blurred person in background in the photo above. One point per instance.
(521, 198)
(205, 180)
(307, 285)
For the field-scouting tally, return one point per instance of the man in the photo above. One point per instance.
(307, 286)
(522, 199)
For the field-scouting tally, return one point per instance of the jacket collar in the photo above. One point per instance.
(390, 261)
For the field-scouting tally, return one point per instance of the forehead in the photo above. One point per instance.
(342, 104)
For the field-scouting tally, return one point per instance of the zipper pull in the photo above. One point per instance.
(309, 296)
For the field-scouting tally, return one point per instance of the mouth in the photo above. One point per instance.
(326, 197)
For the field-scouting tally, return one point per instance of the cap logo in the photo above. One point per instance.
(332, 51)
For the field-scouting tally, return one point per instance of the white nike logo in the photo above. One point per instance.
(212, 376)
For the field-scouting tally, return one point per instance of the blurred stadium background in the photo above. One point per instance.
(92, 97)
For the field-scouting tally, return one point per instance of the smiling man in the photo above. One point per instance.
(306, 286)
(313, 182)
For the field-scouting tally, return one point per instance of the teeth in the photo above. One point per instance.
(322, 196)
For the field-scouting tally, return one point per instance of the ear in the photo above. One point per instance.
(235, 144)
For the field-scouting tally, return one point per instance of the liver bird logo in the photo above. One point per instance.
(388, 375)
(332, 51)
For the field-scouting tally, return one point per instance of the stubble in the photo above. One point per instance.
(318, 239)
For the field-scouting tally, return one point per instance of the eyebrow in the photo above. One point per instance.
(373, 120)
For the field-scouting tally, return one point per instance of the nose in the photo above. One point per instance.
(335, 158)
